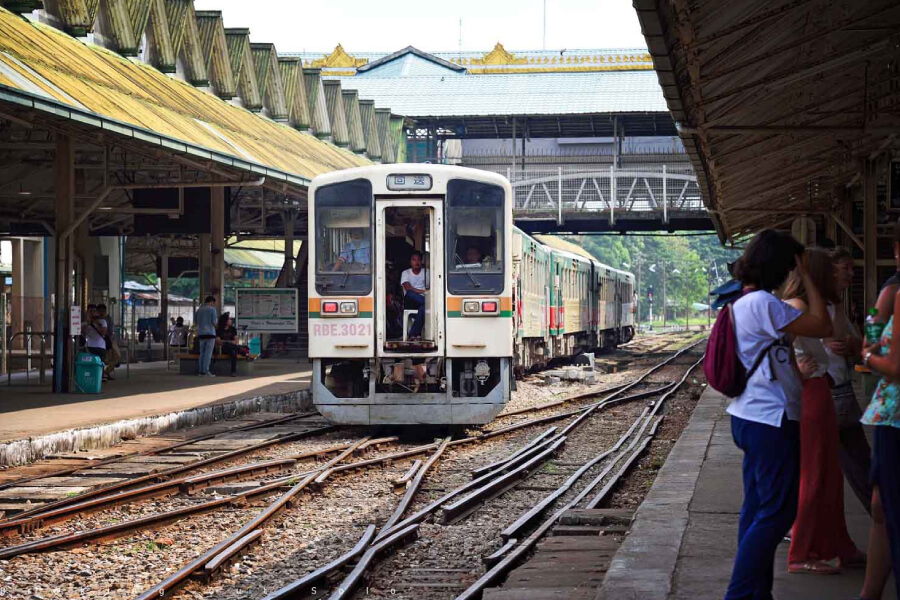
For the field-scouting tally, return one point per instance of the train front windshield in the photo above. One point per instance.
(344, 241)
(474, 237)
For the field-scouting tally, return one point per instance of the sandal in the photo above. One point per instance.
(814, 567)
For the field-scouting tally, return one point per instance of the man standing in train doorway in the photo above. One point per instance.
(415, 283)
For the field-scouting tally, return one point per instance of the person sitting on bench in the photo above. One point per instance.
(227, 335)
(415, 283)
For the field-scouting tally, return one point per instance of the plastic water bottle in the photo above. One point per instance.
(873, 329)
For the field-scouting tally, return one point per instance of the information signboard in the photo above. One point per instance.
(75, 320)
(267, 310)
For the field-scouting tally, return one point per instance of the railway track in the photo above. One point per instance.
(539, 435)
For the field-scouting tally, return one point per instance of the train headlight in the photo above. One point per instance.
(471, 307)
(348, 308)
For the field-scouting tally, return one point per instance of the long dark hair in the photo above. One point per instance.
(821, 271)
(223, 320)
(768, 260)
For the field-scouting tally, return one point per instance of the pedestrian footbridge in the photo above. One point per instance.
(598, 198)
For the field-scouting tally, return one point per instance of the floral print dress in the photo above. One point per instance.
(884, 409)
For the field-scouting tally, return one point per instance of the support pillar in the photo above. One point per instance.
(217, 246)
(164, 299)
(17, 304)
(870, 225)
(289, 278)
(65, 192)
(205, 261)
(513, 146)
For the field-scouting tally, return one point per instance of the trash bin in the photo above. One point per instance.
(255, 346)
(88, 373)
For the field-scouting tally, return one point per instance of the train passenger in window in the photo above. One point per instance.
(356, 252)
(765, 417)
(820, 530)
(473, 256)
(415, 283)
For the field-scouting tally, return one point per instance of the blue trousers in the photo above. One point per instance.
(886, 475)
(206, 352)
(417, 301)
(771, 473)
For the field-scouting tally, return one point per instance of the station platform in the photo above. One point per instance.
(29, 411)
(683, 539)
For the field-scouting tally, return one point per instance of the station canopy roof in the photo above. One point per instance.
(779, 104)
(553, 93)
(48, 71)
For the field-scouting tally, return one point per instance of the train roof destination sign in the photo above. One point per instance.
(267, 310)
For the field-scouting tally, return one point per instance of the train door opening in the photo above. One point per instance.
(409, 273)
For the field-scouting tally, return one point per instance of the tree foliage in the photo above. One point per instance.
(690, 264)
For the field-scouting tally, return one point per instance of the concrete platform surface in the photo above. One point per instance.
(684, 537)
(32, 410)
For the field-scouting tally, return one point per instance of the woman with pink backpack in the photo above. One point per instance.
(765, 411)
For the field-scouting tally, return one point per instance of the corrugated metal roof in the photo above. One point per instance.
(370, 129)
(409, 62)
(41, 60)
(339, 131)
(215, 49)
(295, 91)
(494, 61)
(354, 121)
(254, 259)
(266, 59)
(244, 68)
(318, 109)
(271, 246)
(558, 243)
(514, 95)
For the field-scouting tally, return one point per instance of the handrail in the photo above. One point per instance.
(28, 334)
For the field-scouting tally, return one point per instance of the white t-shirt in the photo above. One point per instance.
(775, 388)
(92, 337)
(417, 280)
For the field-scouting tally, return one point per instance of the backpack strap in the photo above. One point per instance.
(759, 359)
(762, 354)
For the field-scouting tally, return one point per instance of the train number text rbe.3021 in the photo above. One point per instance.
(342, 329)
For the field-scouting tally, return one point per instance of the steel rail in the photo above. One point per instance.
(427, 510)
(482, 470)
(79, 505)
(305, 586)
(400, 537)
(161, 475)
(176, 445)
(537, 450)
(502, 566)
(118, 529)
(566, 400)
(414, 486)
(499, 484)
(166, 586)
(413, 469)
(515, 529)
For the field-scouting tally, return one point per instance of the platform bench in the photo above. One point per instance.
(220, 365)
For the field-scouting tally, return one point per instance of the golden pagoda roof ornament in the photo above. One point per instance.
(339, 59)
(499, 56)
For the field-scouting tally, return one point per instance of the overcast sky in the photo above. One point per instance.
(388, 25)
